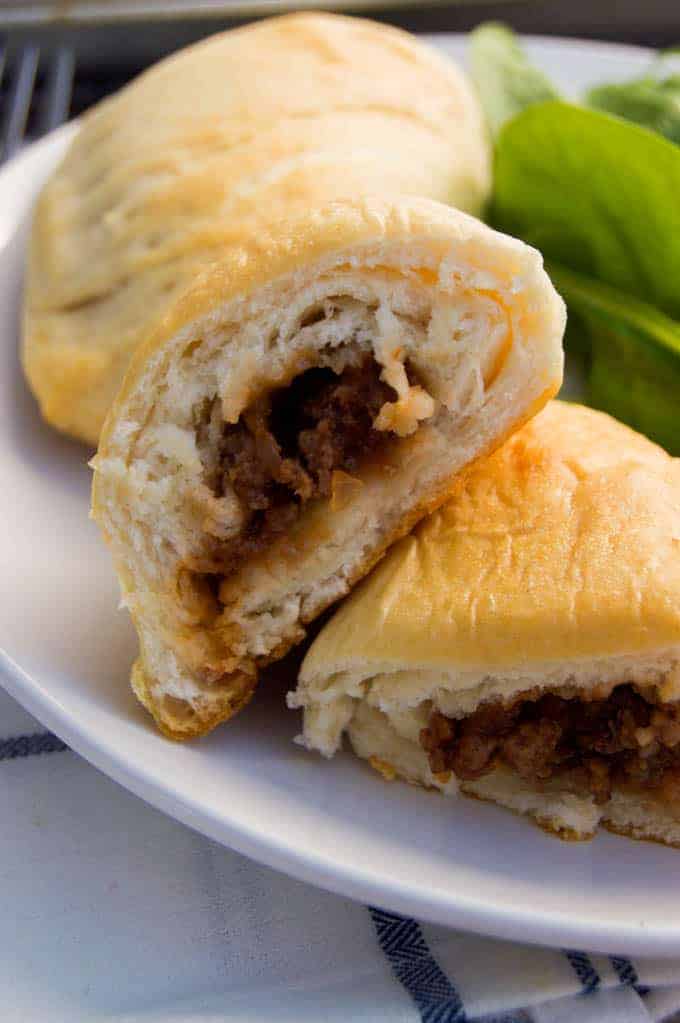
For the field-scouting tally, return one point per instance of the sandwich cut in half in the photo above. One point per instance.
(214, 144)
(523, 645)
(296, 411)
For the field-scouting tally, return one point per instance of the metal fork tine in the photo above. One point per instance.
(58, 88)
(19, 102)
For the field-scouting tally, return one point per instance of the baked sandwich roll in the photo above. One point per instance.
(523, 645)
(295, 412)
(209, 146)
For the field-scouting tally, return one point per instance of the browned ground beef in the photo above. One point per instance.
(589, 745)
(285, 447)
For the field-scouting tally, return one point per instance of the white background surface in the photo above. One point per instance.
(336, 824)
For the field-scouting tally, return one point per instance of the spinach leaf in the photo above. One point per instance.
(652, 101)
(508, 83)
(599, 197)
(503, 76)
(595, 193)
(633, 363)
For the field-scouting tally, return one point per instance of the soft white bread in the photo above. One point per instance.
(425, 292)
(553, 568)
(214, 143)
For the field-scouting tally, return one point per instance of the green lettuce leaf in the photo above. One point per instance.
(507, 83)
(599, 197)
(594, 193)
(503, 76)
(651, 101)
(633, 359)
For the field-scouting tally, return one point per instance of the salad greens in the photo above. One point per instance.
(503, 76)
(507, 83)
(595, 193)
(633, 358)
(600, 197)
(652, 101)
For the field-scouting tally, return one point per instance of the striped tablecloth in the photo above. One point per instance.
(113, 912)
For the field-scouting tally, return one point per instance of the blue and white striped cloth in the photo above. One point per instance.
(113, 912)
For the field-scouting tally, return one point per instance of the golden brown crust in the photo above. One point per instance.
(238, 693)
(215, 145)
(542, 556)
(546, 824)
(383, 768)
(389, 773)
(639, 834)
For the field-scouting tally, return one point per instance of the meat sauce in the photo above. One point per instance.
(588, 745)
(285, 448)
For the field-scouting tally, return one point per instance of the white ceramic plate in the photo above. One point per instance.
(336, 824)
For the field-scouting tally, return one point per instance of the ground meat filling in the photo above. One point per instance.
(285, 448)
(588, 745)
